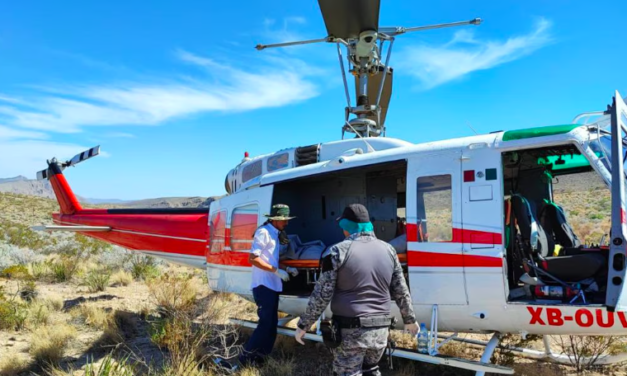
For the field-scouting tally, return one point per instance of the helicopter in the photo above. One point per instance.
(484, 245)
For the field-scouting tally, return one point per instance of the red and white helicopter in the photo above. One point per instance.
(484, 245)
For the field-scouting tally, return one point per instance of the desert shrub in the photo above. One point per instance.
(13, 312)
(584, 351)
(28, 291)
(48, 343)
(90, 245)
(39, 270)
(173, 294)
(278, 367)
(115, 258)
(16, 272)
(13, 365)
(64, 269)
(97, 280)
(506, 357)
(191, 343)
(54, 303)
(121, 278)
(91, 315)
(121, 326)
(38, 314)
(167, 333)
(110, 367)
(22, 236)
(143, 267)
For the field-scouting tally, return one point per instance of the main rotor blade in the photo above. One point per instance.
(347, 18)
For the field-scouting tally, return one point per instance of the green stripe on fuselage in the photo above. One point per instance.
(538, 132)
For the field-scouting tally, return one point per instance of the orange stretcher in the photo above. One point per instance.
(314, 264)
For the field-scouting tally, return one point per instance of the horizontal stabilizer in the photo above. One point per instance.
(72, 228)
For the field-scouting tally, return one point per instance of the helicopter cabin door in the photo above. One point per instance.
(482, 224)
(232, 223)
(434, 216)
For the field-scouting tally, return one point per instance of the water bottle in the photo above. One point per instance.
(423, 339)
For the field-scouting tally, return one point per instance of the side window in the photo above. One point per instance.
(243, 226)
(277, 162)
(251, 171)
(217, 227)
(435, 203)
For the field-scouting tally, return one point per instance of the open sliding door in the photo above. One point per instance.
(616, 298)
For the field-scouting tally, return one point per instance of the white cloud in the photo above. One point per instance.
(435, 65)
(223, 87)
(7, 133)
(120, 135)
(26, 157)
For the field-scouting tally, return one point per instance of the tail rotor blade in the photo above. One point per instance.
(42, 175)
(78, 158)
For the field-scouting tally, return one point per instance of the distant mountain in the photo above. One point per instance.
(97, 201)
(11, 180)
(171, 202)
(24, 186)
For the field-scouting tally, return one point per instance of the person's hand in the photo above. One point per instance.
(299, 336)
(292, 271)
(412, 328)
(282, 274)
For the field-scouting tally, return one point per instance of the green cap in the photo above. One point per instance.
(280, 212)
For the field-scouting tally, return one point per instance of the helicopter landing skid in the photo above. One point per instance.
(403, 353)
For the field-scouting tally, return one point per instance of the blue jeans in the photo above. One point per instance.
(262, 341)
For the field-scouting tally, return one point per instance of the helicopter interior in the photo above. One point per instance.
(551, 236)
(317, 201)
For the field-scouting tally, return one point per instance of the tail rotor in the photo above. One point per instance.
(78, 158)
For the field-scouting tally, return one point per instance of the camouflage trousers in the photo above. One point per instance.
(360, 352)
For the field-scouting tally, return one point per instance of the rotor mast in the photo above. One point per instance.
(354, 24)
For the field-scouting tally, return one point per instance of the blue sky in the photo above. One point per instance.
(175, 93)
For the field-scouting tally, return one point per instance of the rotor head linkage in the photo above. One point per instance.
(354, 25)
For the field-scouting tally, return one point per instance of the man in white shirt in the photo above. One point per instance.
(266, 282)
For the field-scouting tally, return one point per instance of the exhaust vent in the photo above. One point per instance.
(307, 155)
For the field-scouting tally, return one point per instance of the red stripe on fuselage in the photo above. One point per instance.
(229, 258)
(456, 260)
(460, 236)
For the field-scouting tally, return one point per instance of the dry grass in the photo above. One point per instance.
(173, 293)
(38, 314)
(97, 280)
(121, 278)
(278, 367)
(110, 367)
(53, 302)
(12, 365)
(48, 343)
(249, 372)
(120, 326)
(91, 315)
(403, 339)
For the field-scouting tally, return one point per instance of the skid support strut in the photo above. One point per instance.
(489, 350)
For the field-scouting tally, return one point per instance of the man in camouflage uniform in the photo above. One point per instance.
(360, 276)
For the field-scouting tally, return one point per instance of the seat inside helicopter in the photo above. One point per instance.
(557, 214)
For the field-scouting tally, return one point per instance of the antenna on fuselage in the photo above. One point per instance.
(355, 25)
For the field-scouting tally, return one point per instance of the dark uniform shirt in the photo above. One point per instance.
(366, 287)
